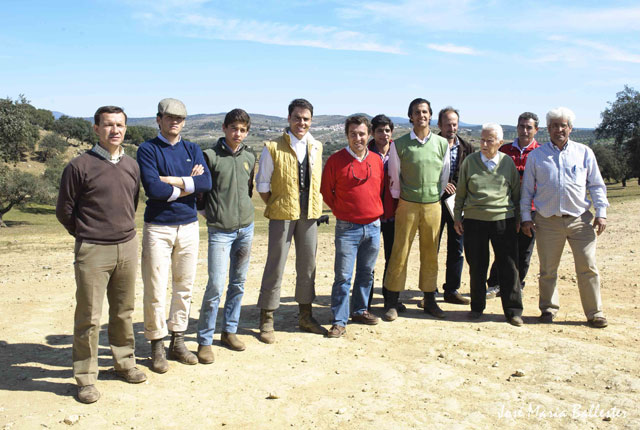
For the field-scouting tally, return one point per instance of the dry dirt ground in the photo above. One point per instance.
(416, 372)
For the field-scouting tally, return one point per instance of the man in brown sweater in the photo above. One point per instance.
(97, 204)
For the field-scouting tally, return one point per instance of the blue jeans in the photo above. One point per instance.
(227, 249)
(355, 244)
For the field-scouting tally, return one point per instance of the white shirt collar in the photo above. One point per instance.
(413, 136)
(164, 139)
(495, 159)
(353, 154)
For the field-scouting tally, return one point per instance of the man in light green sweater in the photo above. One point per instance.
(488, 193)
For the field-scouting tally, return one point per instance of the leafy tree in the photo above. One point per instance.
(621, 121)
(137, 134)
(16, 189)
(74, 128)
(611, 166)
(18, 135)
(42, 118)
(51, 145)
(51, 179)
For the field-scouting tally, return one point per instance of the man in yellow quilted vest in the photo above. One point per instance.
(288, 181)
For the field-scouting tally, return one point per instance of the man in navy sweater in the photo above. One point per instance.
(173, 171)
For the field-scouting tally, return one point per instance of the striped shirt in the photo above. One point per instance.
(558, 180)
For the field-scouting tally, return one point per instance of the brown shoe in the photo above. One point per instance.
(598, 322)
(178, 350)
(231, 341)
(336, 331)
(159, 362)
(266, 326)
(456, 298)
(88, 394)
(307, 323)
(205, 354)
(365, 318)
(132, 375)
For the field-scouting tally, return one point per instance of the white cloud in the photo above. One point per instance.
(453, 49)
(584, 49)
(197, 22)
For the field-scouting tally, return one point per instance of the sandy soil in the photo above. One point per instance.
(416, 372)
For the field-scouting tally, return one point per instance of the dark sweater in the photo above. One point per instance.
(98, 199)
(156, 159)
(228, 205)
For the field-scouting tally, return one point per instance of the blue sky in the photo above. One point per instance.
(490, 59)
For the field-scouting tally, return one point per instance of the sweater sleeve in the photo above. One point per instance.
(67, 197)
(202, 182)
(461, 190)
(154, 188)
(328, 183)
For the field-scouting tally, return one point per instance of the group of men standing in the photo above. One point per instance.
(369, 185)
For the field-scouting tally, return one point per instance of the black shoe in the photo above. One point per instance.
(474, 316)
(547, 317)
(516, 321)
(456, 298)
(431, 307)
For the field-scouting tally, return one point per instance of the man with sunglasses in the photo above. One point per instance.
(352, 183)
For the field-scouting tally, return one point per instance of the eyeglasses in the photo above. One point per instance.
(353, 172)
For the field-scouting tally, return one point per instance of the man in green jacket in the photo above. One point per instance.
(229, 213)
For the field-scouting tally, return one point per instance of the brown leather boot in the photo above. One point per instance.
(266, 326)
(231, 341)
(307, 323)
(159, 362)
(205, 354)
(178, 350)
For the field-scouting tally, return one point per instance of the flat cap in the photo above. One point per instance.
(172, 107)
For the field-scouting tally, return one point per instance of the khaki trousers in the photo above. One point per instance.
(551, 234)
(165, 246)
(412, 217)
(100, 269)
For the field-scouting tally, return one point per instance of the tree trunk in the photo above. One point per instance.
(624, 182)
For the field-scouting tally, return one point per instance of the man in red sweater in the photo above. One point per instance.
(352, 183)
(519, 150)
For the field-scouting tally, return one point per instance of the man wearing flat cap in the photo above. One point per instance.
(173, 171)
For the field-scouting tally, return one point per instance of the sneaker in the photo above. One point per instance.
(336, 331)
(456, 298)
(598, 322)
(132, 375)
(365, 318)
(493, 292)
(88, 394)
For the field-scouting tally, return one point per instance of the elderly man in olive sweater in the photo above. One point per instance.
(489, 193)
(97, 205)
